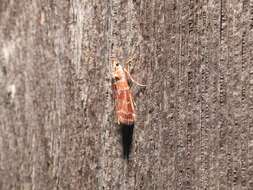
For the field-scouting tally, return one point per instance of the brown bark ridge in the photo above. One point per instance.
(194, 127)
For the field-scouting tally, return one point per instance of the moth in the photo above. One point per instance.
(124, 105)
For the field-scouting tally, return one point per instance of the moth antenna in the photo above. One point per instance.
(130, 60)
(133, 79)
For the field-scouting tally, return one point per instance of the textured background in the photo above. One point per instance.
(195, 118)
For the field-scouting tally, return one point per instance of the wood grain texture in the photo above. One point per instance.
(194, 126)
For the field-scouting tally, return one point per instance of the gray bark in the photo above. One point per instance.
(194, 126)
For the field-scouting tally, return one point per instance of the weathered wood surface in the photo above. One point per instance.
(195, 118)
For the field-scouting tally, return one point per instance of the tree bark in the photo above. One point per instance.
(194, 127)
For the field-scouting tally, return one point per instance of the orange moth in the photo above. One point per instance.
(124, 105)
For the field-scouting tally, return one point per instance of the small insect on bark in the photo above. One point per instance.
(124, 105)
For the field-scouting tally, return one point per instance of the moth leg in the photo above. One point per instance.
(133, 105)
(132, 101)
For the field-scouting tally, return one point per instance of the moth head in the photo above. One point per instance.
(117, 69)
(115, 63)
